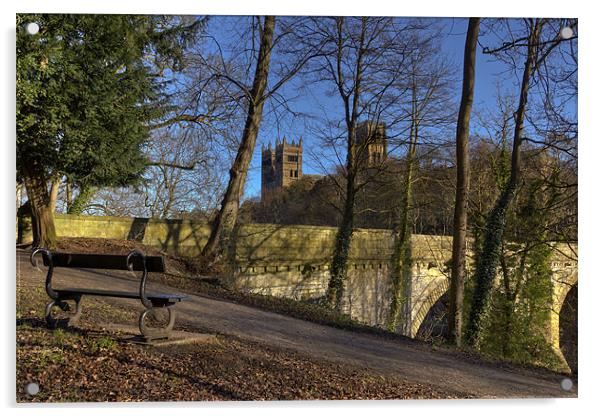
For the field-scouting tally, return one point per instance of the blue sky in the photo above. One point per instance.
(490, 75)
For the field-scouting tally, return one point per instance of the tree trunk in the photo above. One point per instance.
(401, 262)
(223, 224)
(42, 220)
(456, 298)
(508, 303)
(19, 194)
(338, 266)
(488, 260)
(80, 202)
(54, 193)
(401, 267)
(68, 193)
(340, 256)
(171, 181)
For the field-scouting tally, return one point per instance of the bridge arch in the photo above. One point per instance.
(426, 300)
(563, 285)
(568, 335)
(565, 282)
(564, 316)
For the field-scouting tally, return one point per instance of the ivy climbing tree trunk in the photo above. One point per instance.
(401, 259)
(81, 200)
(456, 298)
(223, 225)
(489, 258)
(42, 220)
(338, 267)
(350, 99)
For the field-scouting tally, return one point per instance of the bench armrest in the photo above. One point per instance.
(130, 263)
(48, 260)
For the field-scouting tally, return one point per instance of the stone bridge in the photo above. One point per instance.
(292, 261)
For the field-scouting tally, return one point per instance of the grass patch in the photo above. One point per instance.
(102, 344)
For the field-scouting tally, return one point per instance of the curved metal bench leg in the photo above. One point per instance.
(53, 322)
(74, 319)
(156, 333)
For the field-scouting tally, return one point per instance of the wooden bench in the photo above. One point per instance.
(134, 261)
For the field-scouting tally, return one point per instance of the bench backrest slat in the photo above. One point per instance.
(105, 261)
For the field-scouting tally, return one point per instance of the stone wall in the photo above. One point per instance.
(258, 245)
(177, 236)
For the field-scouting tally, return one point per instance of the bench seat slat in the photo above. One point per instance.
(105, 261)
(160, 297)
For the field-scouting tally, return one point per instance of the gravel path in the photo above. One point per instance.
(413, 361)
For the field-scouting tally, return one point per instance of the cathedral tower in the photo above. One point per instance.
(371, 138)
(280, 166)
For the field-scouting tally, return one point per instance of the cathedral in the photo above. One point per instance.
(283, 164)
(280, 166)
